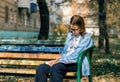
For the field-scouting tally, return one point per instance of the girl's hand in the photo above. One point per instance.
(58, 57)
(51, 63)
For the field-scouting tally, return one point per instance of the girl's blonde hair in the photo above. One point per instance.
(79, 21)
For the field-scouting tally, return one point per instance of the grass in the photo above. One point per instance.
(107, 64)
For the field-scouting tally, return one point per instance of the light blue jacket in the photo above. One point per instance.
(84, 43)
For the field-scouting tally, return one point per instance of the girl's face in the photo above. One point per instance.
(75, 29)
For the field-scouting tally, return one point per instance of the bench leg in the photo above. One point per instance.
(90, 78)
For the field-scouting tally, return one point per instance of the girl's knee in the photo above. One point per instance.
(55, 67)
(42, 67)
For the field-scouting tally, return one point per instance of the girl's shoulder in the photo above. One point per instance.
(87, 35)
(69, 34)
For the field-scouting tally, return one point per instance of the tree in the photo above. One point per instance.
(103, 31)
(107, 10)
(112, 11)
(44, 17)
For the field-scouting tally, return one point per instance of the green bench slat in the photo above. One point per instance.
(32, 42)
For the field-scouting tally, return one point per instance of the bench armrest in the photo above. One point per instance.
(88, 53)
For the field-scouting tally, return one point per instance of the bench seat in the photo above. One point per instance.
(24, 59)
(25, 71)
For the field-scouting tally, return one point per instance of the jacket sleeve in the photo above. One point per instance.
(66, 44)
(84, 44)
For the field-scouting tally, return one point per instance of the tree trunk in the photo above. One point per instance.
(103, 32)
(44, 17)
(107, 48)
(101, 25)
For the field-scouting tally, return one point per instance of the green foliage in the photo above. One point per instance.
(93, 3)
(103, 64)
(105, 67)
(112, 11)
(57, 37)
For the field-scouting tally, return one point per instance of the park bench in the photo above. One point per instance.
(23, 57)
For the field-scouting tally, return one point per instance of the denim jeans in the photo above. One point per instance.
(57, 72)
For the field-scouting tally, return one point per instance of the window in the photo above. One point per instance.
(20, 17)
(6, 14)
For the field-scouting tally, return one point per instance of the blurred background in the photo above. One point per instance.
(24, 17)
(49, 20)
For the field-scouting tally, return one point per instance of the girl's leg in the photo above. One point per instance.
(41, 73)
(58, 71)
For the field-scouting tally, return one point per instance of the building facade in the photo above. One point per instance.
(8, 14)
(16, 15)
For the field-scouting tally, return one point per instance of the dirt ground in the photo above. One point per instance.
(102, 78)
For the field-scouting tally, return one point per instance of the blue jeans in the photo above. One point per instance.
(57, 72)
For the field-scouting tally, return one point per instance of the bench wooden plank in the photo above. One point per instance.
(28, 55)
(17, 71)
(33, 42)
(26, 71)
(31, 49)
(21, 62)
